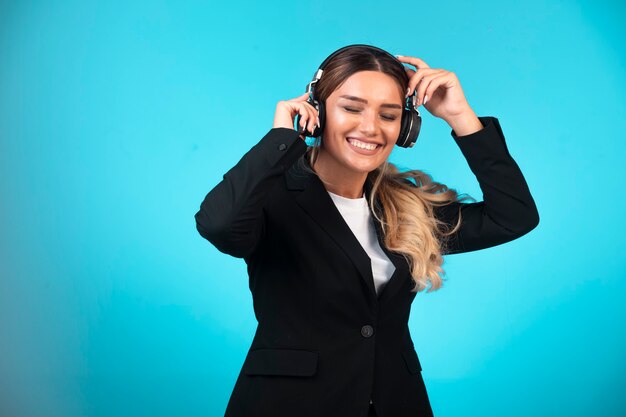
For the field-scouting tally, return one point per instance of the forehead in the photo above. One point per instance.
(374, 86)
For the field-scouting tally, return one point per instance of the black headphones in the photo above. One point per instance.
(411, 119)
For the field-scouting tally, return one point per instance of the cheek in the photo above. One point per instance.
(336, 127)
(337, 119)
(388, 149)
(391, 135)
(394, 128)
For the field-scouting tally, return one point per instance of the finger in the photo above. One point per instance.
(304, 99)
(303, 112)
(408, 71)
(299, 98)
(419, 76)
(429, 85)
(308, 118)
(303, 115)
(316, 116)
(416, 62)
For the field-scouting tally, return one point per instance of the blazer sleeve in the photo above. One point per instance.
(231, 214)
(507, 211)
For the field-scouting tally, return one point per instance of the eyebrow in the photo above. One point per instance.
(362, 100)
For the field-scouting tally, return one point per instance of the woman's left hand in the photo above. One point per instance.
(440, 88)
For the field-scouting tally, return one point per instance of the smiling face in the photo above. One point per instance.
(365, 111)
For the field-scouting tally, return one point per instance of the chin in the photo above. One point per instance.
(363, 166)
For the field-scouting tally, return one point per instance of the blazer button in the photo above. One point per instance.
(282, 147)
(367, 330)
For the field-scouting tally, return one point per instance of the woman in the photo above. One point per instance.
(338, 242)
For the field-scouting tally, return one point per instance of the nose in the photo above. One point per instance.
(369, 123)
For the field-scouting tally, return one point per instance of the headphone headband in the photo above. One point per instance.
(320, 71)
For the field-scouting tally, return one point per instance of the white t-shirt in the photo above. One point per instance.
(357, 215)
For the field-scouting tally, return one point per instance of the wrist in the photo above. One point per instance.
(286, 123)
(465, 123)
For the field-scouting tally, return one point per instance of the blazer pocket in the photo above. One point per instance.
(290, 362)
(411, 360)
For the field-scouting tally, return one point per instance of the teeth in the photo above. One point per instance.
(362, 145)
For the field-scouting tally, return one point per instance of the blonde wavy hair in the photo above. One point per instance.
(407, 209)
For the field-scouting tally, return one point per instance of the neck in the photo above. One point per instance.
(337, 179)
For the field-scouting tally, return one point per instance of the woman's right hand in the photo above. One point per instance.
(286, 111)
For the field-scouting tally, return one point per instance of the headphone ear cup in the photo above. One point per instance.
(410, 128)
(416, 126)
(404, 127)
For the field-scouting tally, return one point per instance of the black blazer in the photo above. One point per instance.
(326, 342)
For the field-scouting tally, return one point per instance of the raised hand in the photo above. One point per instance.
(286, 111)
(439, 90)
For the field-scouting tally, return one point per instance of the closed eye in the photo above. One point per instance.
(353, 110)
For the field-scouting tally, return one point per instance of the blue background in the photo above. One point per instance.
(116, 118)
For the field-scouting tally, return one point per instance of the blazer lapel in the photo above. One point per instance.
(314, 199)
(316, 202)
